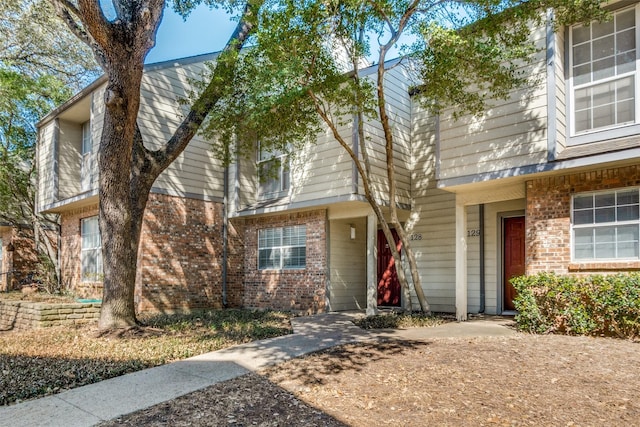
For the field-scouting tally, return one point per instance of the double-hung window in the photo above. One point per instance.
(603, 69)
(91, 250)
(606, 225)
(273, 173)
(282, 248)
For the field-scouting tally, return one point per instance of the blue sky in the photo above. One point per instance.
(204, 31)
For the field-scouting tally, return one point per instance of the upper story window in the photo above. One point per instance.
(273, 173)
(91, 250)
(1, 261)
(603, 65)
(606, 225)
(282, 248)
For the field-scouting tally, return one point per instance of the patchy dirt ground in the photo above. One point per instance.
(516, 381)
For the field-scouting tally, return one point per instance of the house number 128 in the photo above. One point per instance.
(416, 236)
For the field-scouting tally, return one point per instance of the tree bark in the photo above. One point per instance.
(127, 168)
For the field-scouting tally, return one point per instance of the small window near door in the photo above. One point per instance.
(91, 250)
(282, 248)
(606, 225)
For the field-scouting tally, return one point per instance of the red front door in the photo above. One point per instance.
(513, 257)
(388, 284)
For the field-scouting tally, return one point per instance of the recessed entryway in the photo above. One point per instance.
(513, 257)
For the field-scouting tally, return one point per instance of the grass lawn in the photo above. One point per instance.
(39, 362)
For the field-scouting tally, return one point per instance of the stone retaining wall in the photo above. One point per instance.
(30, 315)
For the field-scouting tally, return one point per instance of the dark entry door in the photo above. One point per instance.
(388, 284)
(514, 263)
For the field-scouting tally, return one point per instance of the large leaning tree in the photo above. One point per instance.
(41, 63)
(304, 73)
(127, 167)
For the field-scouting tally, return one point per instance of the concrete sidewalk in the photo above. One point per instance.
(91, 404)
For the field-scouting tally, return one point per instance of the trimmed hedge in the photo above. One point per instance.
(589, 305)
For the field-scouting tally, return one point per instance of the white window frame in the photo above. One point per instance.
(280, 248)
(610, 225)
(276, 182)
(90, 248)
(611, 131)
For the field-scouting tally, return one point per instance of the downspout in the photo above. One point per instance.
(482, 260)
(225, 235)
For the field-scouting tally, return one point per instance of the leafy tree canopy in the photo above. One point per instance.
(34, 42)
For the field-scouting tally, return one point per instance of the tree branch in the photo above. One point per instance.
(162, 158)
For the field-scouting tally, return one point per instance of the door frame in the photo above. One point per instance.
(500, 264)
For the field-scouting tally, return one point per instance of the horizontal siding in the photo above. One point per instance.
(423, 155)
(348, 265)
(435, 252)
(561, 95)
(399, 112)
(46, 160)
(196, 171)
(511, 133)
(69, 161)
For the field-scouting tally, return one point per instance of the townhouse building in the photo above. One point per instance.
(547, 180)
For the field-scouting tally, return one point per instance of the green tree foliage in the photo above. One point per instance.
(303, 73)
(34, 42)
(40, 65)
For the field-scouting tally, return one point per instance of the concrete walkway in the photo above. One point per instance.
(91, 404)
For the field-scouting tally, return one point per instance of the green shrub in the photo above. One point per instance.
(394, 320)
(589, 305)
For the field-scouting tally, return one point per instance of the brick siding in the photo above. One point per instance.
(20, 265)
(548, 219)
(297, 290)
(180, 256)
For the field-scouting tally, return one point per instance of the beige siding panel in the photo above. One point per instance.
(46, 162)
(473, 259)
(561, 95)
(348, 262)
(69, 159)
(323, 169)
(196, 171)
(510, 134)
(399, 111)
(435, 252)
(424, 153)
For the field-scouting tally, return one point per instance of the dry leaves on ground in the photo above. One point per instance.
(522, 380)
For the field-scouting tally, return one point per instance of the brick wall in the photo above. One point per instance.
(548, 218)
(298, 290)
(70, 246)
(180, 256)
(20, 265)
